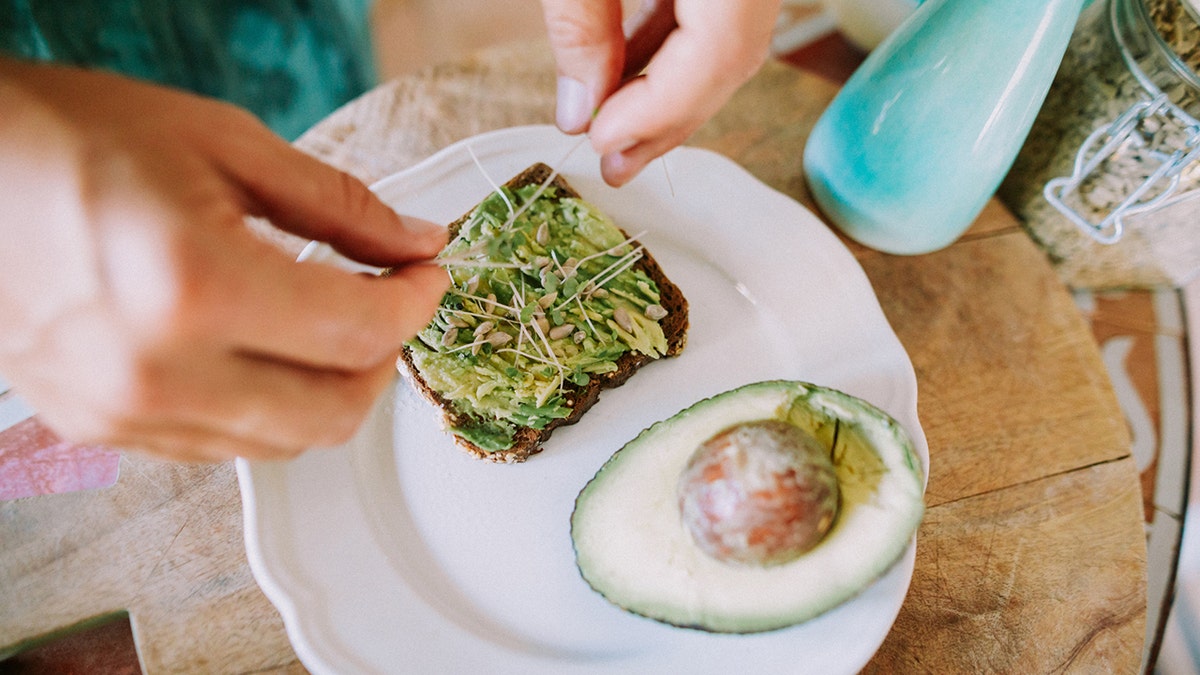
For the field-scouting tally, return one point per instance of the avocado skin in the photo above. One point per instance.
(838, 417)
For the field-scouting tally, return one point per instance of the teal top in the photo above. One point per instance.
(291, 62)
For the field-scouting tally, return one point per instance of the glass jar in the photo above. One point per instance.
(1108, 180)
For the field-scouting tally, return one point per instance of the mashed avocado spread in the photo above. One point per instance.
(544, 296)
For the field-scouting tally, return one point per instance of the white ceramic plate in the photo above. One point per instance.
(399, 553)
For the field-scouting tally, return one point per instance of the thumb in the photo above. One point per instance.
(589, 50)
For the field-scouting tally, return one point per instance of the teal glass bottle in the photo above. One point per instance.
(909, 151)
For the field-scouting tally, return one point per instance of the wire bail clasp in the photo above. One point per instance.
(1109, 140)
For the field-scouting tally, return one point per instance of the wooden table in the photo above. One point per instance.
(1031, 558)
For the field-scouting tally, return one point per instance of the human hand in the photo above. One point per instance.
(140, 311)
(695, 54)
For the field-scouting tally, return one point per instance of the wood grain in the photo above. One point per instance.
(165, 543)
(1031, 558)
(1026, 580)
(1009, 375)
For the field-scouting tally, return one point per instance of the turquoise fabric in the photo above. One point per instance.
(291, 62)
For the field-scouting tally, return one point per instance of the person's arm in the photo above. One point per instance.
(695, 53)
(140, 311)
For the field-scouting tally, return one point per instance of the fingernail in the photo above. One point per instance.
(623, 146)
(420, 225)
(574, 109)
(616, 169)
(427, 237)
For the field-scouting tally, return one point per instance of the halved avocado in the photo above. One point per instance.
(632, 548)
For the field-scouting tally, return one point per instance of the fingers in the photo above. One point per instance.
(618, 168)
(178, 442)
(309, 314)
(296, 353)
(293, 408)
(261, 362)
(589, 49)
(331, 320)
(713, 50)
(314, 315)
(211, 419)
(307, 197)
(298, 407)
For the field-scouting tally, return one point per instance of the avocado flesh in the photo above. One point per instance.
(510, 257)
(631, 547)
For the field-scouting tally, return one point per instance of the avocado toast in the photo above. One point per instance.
(550, 304)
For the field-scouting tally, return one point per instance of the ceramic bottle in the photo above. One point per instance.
(910, 150)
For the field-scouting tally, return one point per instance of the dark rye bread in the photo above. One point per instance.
(529, 441)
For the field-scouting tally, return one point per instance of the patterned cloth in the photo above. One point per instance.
(291, 62)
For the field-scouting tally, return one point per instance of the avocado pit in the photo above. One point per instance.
(760, 493)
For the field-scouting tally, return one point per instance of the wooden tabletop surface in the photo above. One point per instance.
(1031, 557)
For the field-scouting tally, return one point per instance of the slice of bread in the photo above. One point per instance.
(579, 399)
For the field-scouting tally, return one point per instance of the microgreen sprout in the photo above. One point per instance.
(542, 187)
(518, 327)
(609, 273)
(488, 178)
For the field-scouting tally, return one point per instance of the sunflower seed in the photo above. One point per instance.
(621, 316)
(655, 312)
(449, 337)
(569, 267)
(559, 332)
